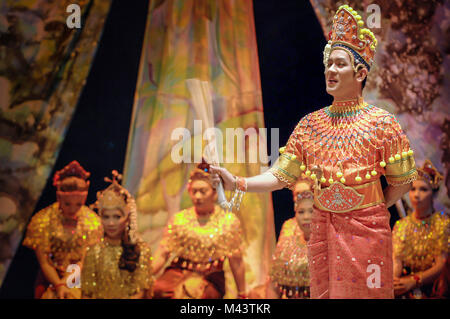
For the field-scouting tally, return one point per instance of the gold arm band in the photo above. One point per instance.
(287, 169)
(402, 171)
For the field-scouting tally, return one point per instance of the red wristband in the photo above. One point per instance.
(242, 296)
(418, 280)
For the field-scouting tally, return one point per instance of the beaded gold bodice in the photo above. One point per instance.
(63, 246)
(417, 242)
(103, 279)
(215, 239)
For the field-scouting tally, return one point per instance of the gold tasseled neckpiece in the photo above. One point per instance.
(348, 105)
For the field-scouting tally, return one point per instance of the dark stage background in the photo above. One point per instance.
(290, 44)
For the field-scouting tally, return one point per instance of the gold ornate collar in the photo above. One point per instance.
(348, 105)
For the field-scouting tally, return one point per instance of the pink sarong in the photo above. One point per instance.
(350, 254)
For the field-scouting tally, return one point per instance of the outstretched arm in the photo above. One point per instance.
(265, 182)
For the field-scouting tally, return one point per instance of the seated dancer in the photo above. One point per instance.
(199, 238)
(289, 271)
(60, 233)
(420, 239)
(118, 267)
(344, 148)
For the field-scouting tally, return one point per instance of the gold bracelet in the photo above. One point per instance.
(239, 191)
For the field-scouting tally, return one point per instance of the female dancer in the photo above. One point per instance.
(421, 239)
(118, 267)
(290, 270)
(60, 233)
(200, 238)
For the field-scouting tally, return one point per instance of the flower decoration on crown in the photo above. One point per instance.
(430, 174)
(304, 195)
(72, 169)
(348, 33)
(115, 196)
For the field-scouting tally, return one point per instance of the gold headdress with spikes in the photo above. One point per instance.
(115, 196)
(430, 174)
(348, 33)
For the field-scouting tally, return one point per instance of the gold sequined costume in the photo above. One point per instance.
(200, 250)
(63, 247)
(103, 279)
(418, 242)
(289, 269)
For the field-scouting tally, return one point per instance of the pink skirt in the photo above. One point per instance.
(350, 254)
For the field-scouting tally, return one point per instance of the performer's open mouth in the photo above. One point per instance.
(332, 81)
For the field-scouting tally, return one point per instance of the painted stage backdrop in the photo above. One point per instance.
(213, 41)
(43, 68)
(411, 73)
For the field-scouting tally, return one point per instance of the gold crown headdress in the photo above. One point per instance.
(115, 196)
(348, 33)
(430, 174)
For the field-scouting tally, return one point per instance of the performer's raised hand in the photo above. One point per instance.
(222, 174)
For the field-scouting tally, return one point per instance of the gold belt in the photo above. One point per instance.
(339, 198)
